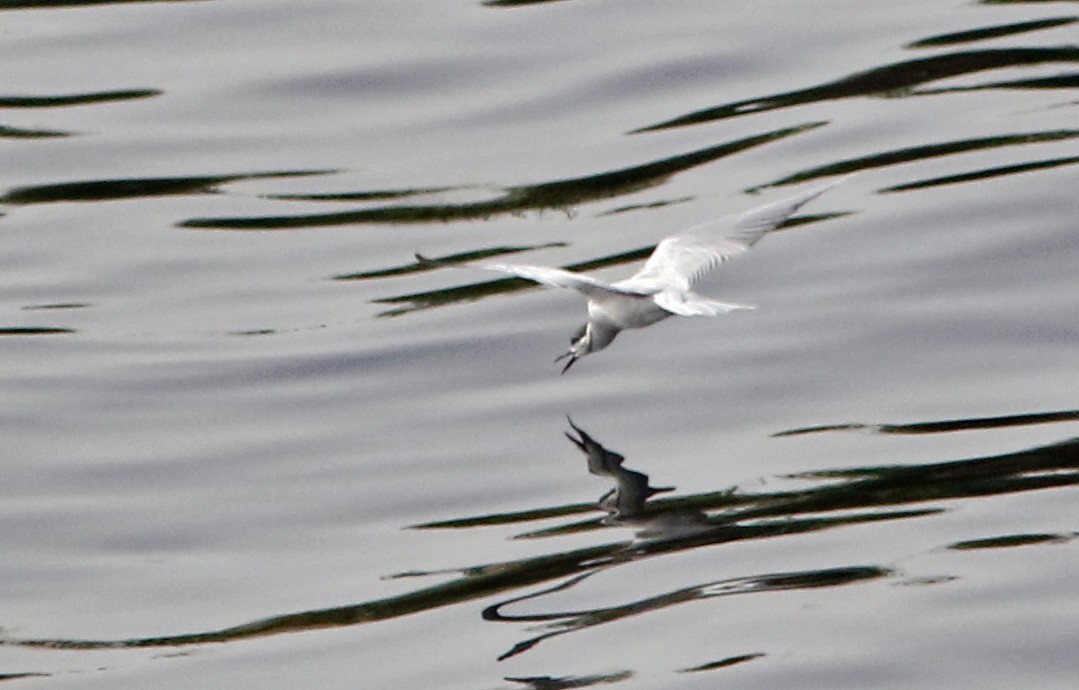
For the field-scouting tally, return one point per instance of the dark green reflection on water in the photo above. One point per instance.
(1019, 2)
(899, 79)
(54, 4)
(373, 195)
(984, 174)
(567, 682)
(845, 498)
(20, 133)
(34, 330)
(563, 623)
(988, 32)
(56, 306)
(88, 98)
(1010, 541)
(945, 426)
(923, 152)
(723, 663)
(61, 101)
(514, 3)
(647, 206)
(19, 676)
(559, 194)
(1057, 81)
(111, 190)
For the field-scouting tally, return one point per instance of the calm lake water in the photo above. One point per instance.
(249, 442)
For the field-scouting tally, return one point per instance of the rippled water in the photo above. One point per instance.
(249, 442)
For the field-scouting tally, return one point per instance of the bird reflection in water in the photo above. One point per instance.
(627, 502)
(631, 491)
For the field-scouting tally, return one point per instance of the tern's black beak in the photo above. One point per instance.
(572, 359)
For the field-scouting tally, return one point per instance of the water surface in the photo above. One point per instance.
(250, 442)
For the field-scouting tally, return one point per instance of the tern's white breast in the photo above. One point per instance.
(627, 311)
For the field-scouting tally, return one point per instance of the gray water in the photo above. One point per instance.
(249, 442)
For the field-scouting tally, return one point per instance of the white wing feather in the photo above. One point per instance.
(553, 277)
(680, 260)
(692, 304)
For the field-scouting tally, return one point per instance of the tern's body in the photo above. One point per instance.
(608, 316)
(663, 286)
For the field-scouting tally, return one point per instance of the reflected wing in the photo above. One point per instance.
(545, 275)
(678, 261)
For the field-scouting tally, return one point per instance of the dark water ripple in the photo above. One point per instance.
(1012, 540)
(1019, 2)
(852, 497)
(67, 100)
(60, 4)
(568, 682)
(57, 305)
(946, 426)
(1059, 81)
(7, 132)
(895, 80)
(34, 330)
(984, 174)
(724, 663)
(998, 31)
(131, 445)
(924, 152)
(558, 194)
(515, 3)
(113, 190)
(566, 622)
(62, 101)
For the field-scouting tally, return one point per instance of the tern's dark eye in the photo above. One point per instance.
(578, 334)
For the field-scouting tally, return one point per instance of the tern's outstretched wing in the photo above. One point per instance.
(692, 304)
(678, 261)
(554, 277)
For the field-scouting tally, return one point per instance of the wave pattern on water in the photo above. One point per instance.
(860, 496)
(998, 31)
(945, 426)
(899, 79)
(74, 99)
(361, 429)
(62, 101)
(114, 190)
(928, 151)
(558, 194)
(60, 4)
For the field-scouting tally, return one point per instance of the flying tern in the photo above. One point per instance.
(663, 286)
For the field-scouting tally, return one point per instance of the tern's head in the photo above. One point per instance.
(589, 338)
